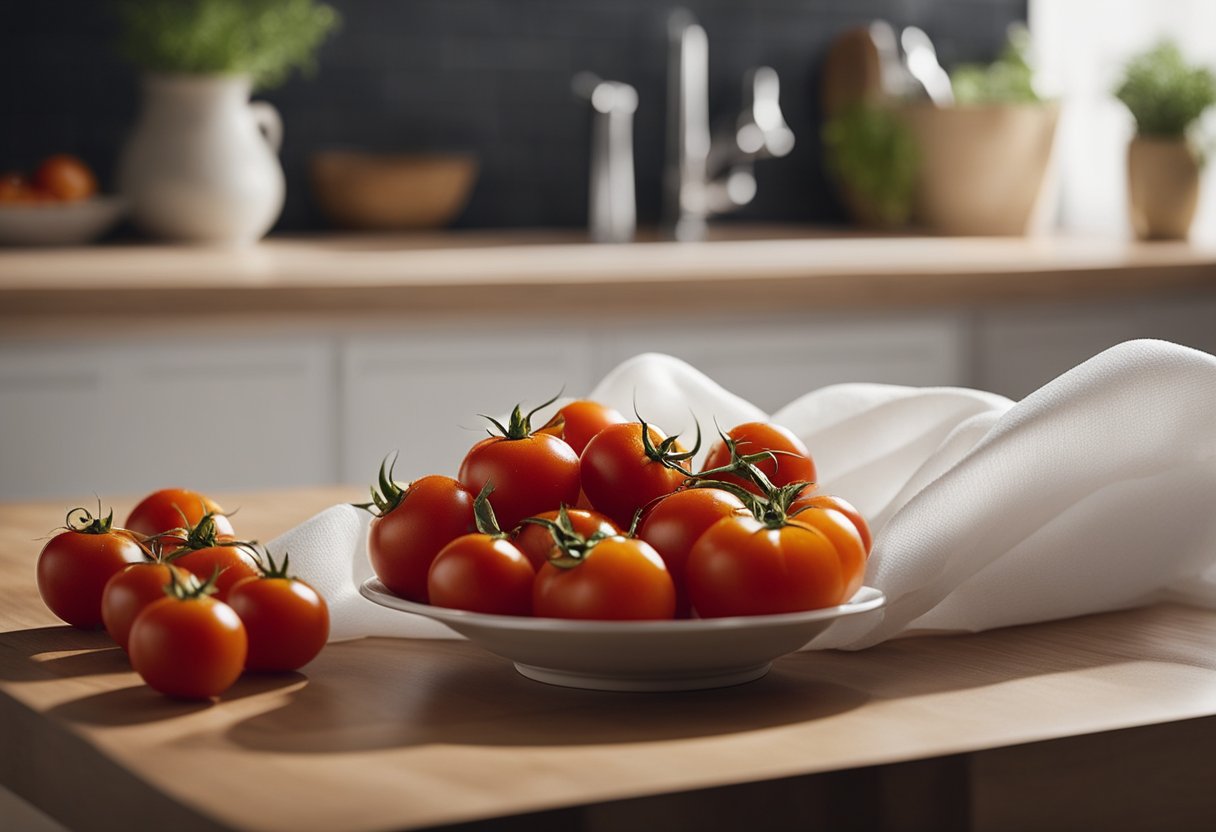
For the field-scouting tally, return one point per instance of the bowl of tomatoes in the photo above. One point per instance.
(58, 205)
(592, 553)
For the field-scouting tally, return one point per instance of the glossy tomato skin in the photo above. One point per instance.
(233, 563)
(794, 465)
(673, 525)
(188, 649)
(536, 542)
(850, 548)
(129, 591)
(162, 511)
(65, 177)
(620, 579)
(401, 544)
(286, 620)
(530, 475)
(577, 422)
(619, 478)
(73, 569)
(741, 567)
(829, 501)
(481, 573)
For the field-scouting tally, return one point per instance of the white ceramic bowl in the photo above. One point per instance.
(637, 655)
(59, 223)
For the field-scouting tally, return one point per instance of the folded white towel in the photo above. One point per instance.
(1096, 492)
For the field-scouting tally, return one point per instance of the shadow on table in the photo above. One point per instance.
(139, 704)
(384, 693)
(85, 653)
(384, 698)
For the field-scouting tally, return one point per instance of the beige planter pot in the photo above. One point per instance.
(1162, 187)
(983, 169)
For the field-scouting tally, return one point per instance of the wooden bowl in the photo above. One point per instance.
(983, 169)
(384, 192)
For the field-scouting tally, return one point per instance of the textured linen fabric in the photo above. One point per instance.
(1096, 492)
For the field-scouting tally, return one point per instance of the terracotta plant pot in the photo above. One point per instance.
(1162, 187)
(983, 169)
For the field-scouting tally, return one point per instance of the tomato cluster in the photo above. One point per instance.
(192, 606)
(58, 178)
(594, 516)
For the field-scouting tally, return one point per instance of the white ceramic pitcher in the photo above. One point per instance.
(201, 165)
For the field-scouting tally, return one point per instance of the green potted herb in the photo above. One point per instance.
(1166, 96)
(201, 164)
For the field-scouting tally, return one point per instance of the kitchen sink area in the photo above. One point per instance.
(955, 260)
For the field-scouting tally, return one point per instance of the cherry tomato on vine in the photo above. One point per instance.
(626, 466)
(743, 566)
(673, 524)
(286, 620)
(175, 508)
(615, 578)
(577, 422)
(537, 544)
(204, 552)
(75, 565)
(830, 501)
(482, 573)
(188, 644)
(531, 472)
(410, 525)
(838, 529)
(791, 464)
(129, 591)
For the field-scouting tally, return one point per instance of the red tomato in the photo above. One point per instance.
(619, 578)
(792, 465)
(286, 620)
(743, 567)
(191, 648)
(163, 510)
(65, 177)
(839, 504)
(75, 565)
(15, 188)
(850, 548)
(482, 573)
(673, 524)
(620, 475)
(128, 592)
(405, 538)
(530, 475)
(536, 542)
(233, 562)
(578, 421)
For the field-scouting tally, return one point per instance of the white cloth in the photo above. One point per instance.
(1096, 492)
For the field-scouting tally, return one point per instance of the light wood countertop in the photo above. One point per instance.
(405, 734)
(535, 271)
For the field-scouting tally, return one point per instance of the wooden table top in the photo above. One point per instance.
(538, 272)
(382, 733)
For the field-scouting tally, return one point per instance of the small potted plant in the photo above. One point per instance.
(1166, 96)
(201, 164)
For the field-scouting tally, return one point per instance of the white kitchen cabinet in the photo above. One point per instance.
(129, 416)
(771, 362)
(1018, 351)
(420, 392)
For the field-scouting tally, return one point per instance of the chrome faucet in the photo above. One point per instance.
(706, 173)
(612, 207)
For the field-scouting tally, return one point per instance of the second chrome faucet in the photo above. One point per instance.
(706, 172)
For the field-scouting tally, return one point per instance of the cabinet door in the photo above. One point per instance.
(770, 363)
(128, 417)
(1020, 351)
(420, 393)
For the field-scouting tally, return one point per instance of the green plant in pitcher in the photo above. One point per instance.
(875, 157)
(265, 39)
(1165, 94)
(1007, 80)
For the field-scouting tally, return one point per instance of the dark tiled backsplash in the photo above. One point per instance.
(487, 76)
